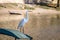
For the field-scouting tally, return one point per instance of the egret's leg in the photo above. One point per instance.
(23, 29)
(15, 38)
(20, 29)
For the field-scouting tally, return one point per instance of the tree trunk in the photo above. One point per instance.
(57, 3)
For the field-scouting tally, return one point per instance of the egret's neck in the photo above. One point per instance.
(26, 15)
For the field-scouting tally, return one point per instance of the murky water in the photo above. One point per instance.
(41, 27)
(45, 27)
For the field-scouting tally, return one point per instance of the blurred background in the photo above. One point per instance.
(44, 18)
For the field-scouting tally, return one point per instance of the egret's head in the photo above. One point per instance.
(28, 11)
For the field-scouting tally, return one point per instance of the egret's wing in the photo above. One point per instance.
(21, 23)
(26, 20)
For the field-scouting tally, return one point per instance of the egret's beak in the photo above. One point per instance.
(29, 11)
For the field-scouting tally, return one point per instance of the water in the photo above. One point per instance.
(44, 27)
(41, 27)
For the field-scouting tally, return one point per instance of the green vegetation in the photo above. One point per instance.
(1, 6)
(6, 5)
(28, 7)
(58, 8)
(49, 7)
(45, 7)
(16, 6)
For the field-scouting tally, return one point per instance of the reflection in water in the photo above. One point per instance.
(46, 27)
